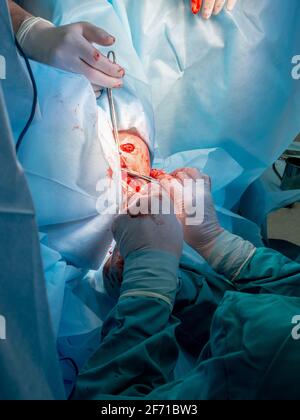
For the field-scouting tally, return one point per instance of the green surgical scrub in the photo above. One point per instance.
(241, 334)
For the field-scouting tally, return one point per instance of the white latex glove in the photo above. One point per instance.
(160, 232)
(226, 253)
(201, 236)
(70, 48)
(211, 7)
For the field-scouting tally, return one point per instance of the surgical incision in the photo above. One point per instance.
(135, 157)
(134, 153)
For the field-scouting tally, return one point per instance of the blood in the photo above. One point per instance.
(96, 56)
(196, 6)
(109, 173)
(156, 173)
(123, 163)
(138, 189)
(119, 262)
(128, 148)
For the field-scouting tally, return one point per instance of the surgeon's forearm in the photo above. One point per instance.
(135, 341)
(252, 270)
(18, 15)
(138, 352)
(270, 272)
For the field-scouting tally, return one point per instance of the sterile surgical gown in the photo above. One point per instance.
(241, 334)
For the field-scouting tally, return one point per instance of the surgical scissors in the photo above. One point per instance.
(144, 177)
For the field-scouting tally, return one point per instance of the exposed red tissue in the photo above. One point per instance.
(123, 164)
(128, 148)
(109, 173)
(156, 173)
(135, 153)
(196, 6)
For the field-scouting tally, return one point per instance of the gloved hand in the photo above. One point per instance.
(151, 246)
(70, 48)
(199, 232)
(226, 253)
(159, 232)
(209, 7)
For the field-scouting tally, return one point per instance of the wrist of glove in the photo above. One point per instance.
(229, 254)
(30, 33)
(151, 273)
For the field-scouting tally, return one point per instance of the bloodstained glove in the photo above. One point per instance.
(211, 7)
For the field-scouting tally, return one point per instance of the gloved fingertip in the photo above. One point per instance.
(182, 175)
(108, 40)
(206, 16)
(174, 173)
(111, 39)
(165, 183)
(121, 72)
(196, 6)
(230, 7)
(118, 85)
